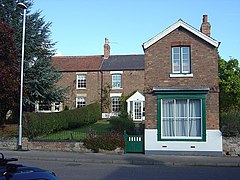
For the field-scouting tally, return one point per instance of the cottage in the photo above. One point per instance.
(90, 79)
(124, 75)
(181, 91)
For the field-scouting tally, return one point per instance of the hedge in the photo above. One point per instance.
(230, 124)
(120, 124)
(37, 124)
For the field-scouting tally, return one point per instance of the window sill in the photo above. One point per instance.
(182, 139)
(181, 75)
(116, 88)
(82, 88)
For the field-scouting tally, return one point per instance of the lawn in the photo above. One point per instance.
(79, 133)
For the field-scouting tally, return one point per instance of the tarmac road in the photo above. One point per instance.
(135, 159)
(87, 171)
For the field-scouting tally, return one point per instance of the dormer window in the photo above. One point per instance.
(181, 60)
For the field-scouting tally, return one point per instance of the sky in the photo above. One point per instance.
(80, 26)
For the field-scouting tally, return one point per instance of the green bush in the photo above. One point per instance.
(120, 124)
(108, 141)
(230, 124)
(36, 124)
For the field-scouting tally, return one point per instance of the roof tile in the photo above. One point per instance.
(77, 63)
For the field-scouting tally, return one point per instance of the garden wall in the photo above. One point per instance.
(10, 143)
(231, 145)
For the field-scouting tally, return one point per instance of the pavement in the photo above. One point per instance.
(136, 159)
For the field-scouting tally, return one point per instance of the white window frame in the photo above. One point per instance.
(80, 101)
(42, 104)
(117, 82)
(181, 59)
(113, 105)
(81, 83)
(54, 107)
(174, 116)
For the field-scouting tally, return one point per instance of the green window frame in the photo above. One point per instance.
(177, 96)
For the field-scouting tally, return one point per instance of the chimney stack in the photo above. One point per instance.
(106, 49)
(205, 27)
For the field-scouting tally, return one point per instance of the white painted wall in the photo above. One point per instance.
(213, 143)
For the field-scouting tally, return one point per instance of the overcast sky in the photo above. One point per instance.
(80, 26)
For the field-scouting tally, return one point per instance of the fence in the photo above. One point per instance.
(69, 135)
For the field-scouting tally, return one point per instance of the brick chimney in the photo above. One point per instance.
(106, 49)
(205, 27)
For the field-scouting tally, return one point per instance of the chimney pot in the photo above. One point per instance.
(106, 49)
(205, 18)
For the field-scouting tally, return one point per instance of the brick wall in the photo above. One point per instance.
(132, 80)
(204, 66)
(92, 92)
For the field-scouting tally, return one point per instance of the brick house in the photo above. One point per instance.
(81, 76)
(124, 74)
(181, 91)
(86, 76)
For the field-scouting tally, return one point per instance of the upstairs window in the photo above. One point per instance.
(181, 60)
(81, 81)
(116, 81)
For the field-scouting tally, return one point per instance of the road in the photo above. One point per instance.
(89, 171)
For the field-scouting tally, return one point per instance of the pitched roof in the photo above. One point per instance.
(176, 25)
(77, 63)
(123, 62)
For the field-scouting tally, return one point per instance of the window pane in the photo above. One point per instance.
(185, 50)
(195, 117)
(176, 59)
(167, 117)
(181, 117)
(185, 60)
(176, 50)
(167, 109)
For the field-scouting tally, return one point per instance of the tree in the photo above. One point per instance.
(9, 74)
(39, 74)
(229, 83)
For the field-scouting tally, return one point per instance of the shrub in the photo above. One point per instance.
(36, 124)
(108, 141)
(120, 124)
(230, 124)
